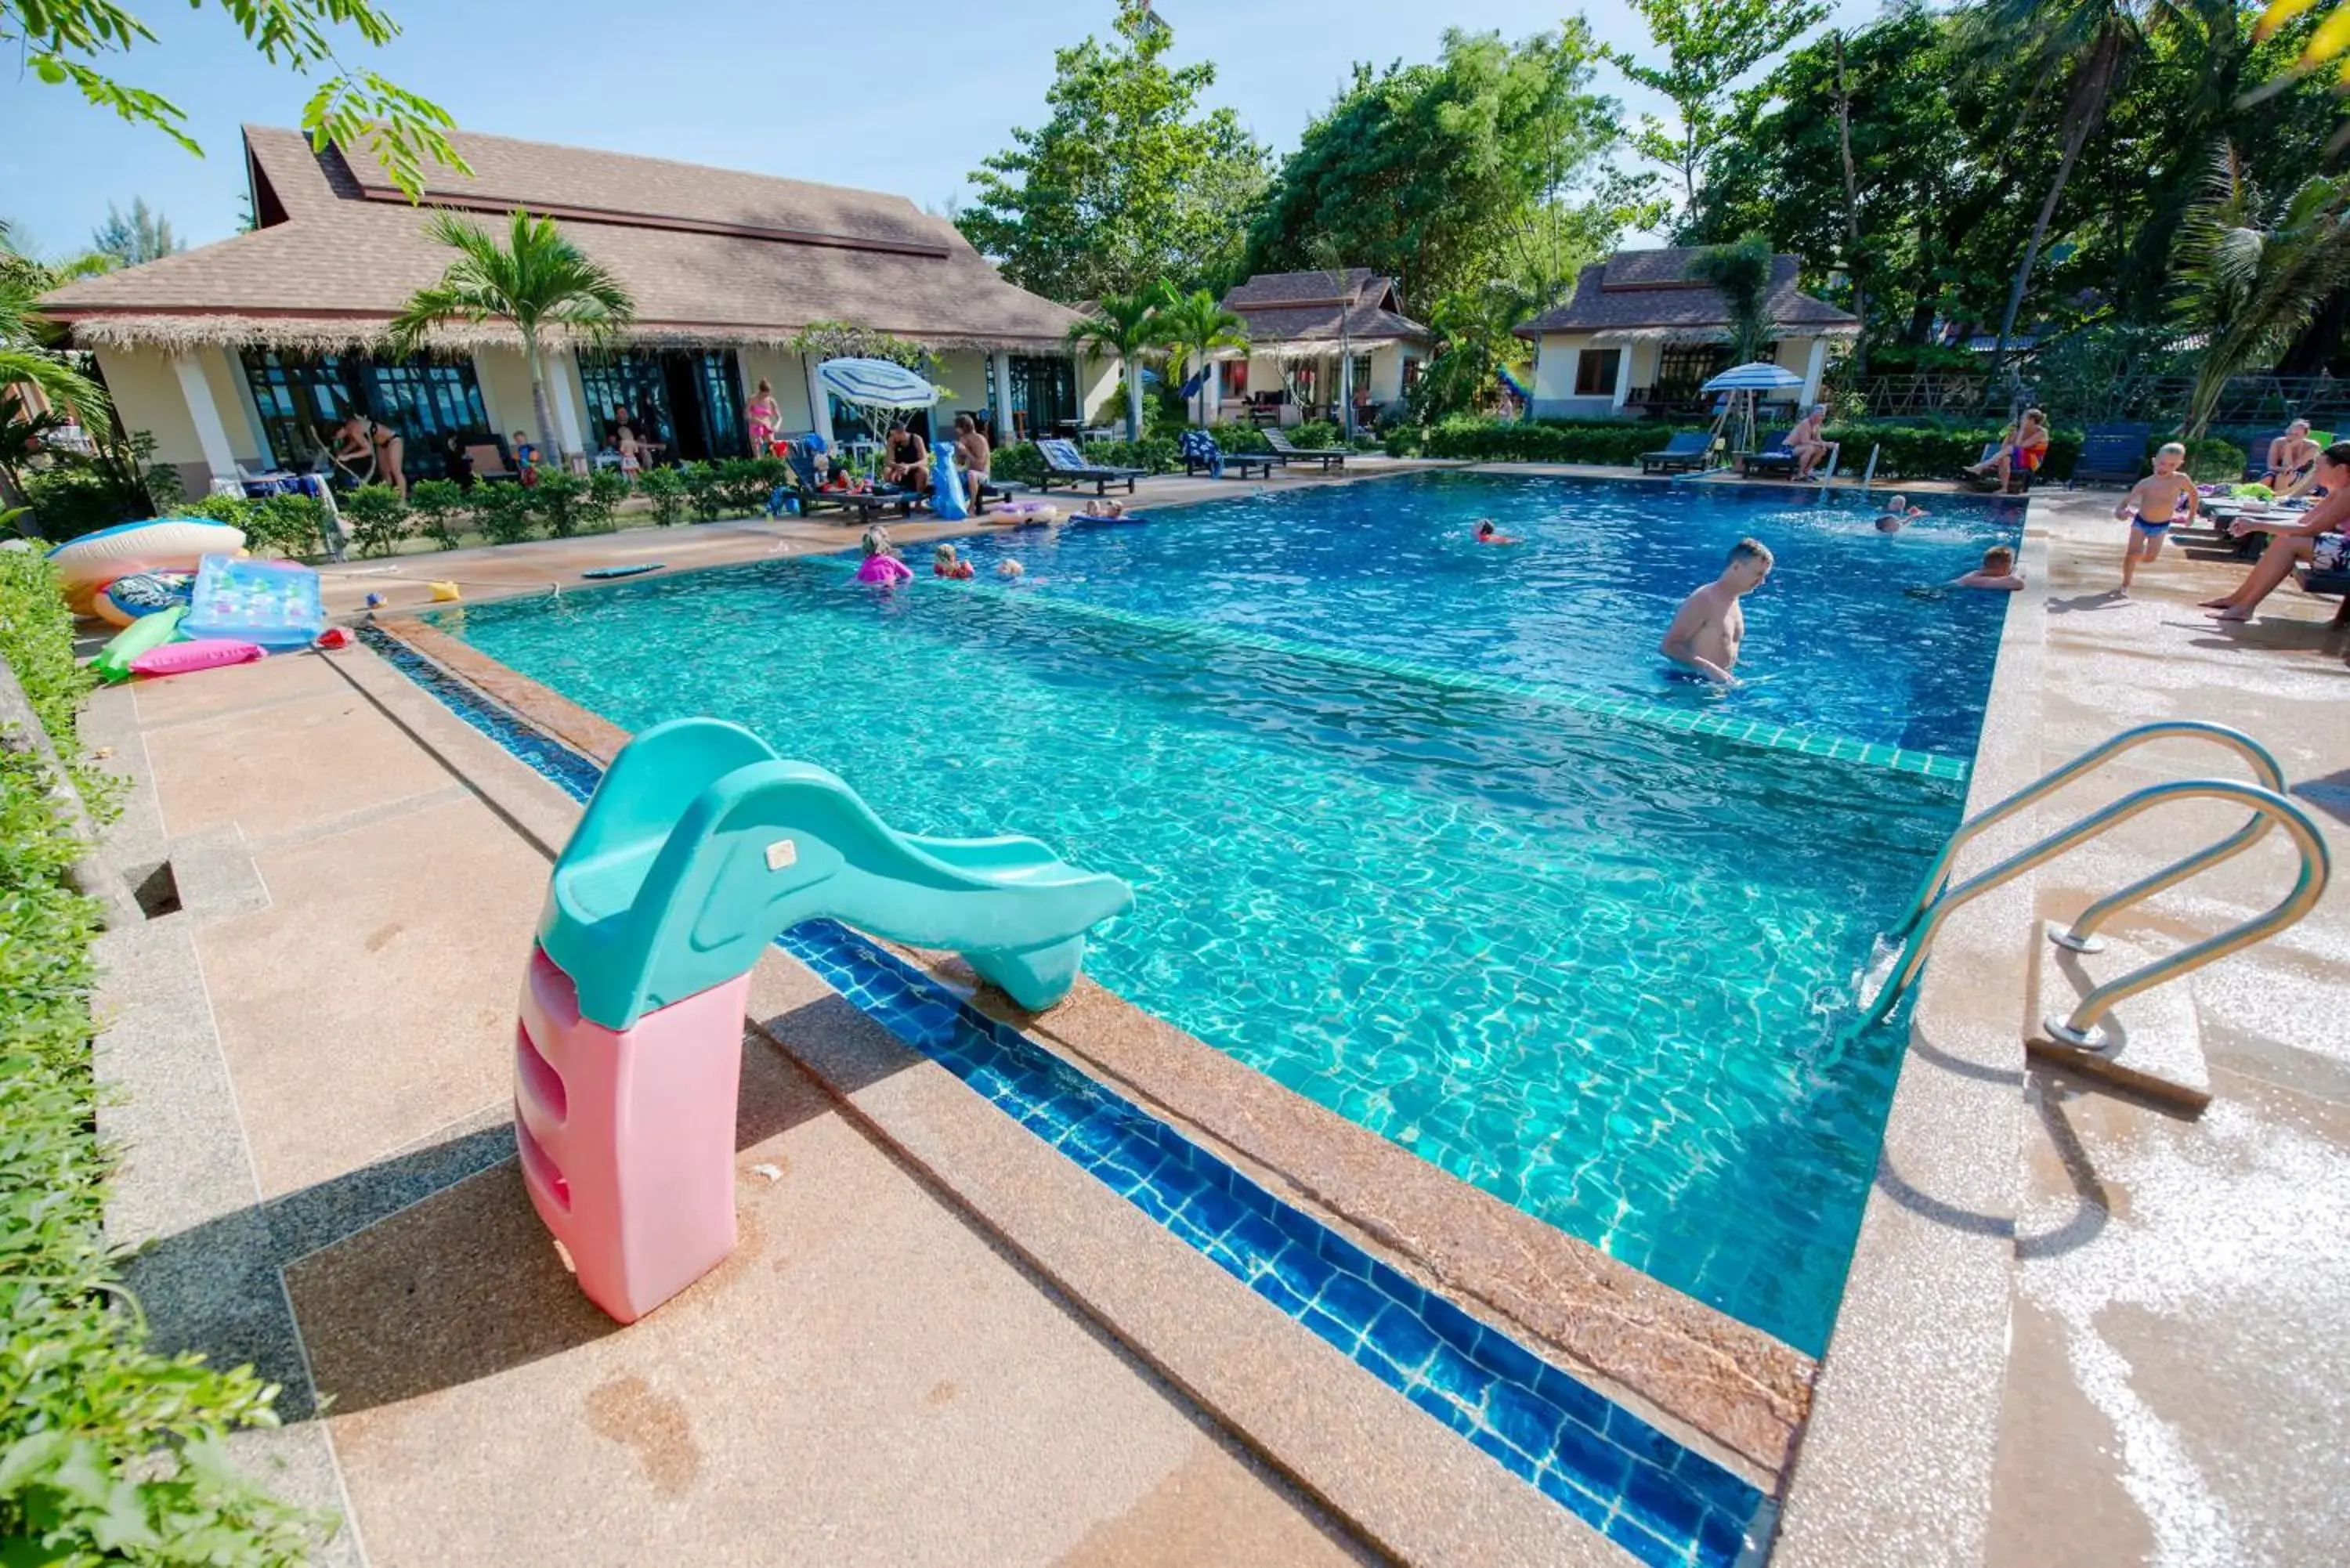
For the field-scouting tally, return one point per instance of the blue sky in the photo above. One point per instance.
(907, 97)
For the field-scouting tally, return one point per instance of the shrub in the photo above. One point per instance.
(112, 1452)
(559, 496)
(705, 488)
(438, 504)
(1318, 432)
(1920, 450)
(1235, 437)
(1159, 454)
(666, 488)
(507, 512)
(379, 519)
(1018, 463)
(73, 499)
(290, 525)
(2215, 462)
(607, 488)
(744, 483)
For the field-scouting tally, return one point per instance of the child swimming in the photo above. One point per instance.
(1997, 571)
(945, 562)
(1487, 534)
(2166, 496)
(1103, 507)
(1009, 570)
(881, 563)
(1897, 514)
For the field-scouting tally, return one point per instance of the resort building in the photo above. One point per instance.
(1318, 340)
(250, 351)
(1641, 335)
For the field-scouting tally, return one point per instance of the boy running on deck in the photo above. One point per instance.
(2166, 496)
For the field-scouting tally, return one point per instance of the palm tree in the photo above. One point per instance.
(2256, 271)
(1741, 271)
(1196, 326)
(27, 352)
(1127, 327)
(537, 280)
(1477, 327)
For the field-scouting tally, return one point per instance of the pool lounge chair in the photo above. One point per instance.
(1685, 453)
(1773, 459)
(2019, 480)
(1287, 452)
(1064, 465)
(861, 508)
(2112, 454)
(1202, 455)
(2336, 584)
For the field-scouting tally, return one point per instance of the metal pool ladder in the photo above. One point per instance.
(1937, 900)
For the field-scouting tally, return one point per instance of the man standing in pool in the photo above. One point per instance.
(1706, 634)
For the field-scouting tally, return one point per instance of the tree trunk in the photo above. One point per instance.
(1133, 399)
(540, 408)
(1852, 218)
(2089, 106)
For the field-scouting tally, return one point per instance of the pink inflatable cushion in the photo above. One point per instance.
(205, 653)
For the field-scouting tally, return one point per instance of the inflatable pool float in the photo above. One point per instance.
(623, 571)
(150, 632)
(273, 603)
(206, 653)
(1024, 511)
(157, 545)
(126, 599)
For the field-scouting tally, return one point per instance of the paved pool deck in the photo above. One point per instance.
(935, 1345)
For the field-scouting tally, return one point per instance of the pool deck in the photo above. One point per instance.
(315, 1049)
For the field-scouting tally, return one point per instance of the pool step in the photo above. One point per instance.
(2156, 1047)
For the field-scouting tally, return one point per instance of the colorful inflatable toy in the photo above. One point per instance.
(1024, 512)
(151, 631)
(206, 653)
(126, 599)
(273, 603)
(87, 563)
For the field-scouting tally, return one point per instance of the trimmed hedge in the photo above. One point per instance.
(1904, 451)
(108, 1451)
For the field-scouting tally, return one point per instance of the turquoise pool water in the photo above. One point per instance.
(1592, 965)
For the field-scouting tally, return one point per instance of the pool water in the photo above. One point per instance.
(1596, 967)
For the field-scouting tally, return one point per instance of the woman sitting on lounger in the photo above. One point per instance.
(2290, 543)
(2022, 447)
(2292, 462)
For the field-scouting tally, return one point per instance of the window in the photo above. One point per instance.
(1595, 370)
(1044, 396)
(721, 403)
(1682, 367)
(629, 381)
(302, 398)
(1360, 382)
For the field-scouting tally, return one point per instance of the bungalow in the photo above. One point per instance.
(1300, 327)
(1640, 336)
(250, 350)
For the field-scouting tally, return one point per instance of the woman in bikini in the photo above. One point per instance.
(2292, 460)
(2290, 544)
(2023, 448)
(766, 420)
(380, 444)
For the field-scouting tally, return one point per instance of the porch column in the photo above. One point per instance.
(212, 435)
(819, 404)
(565, 399)
(1623, 377)
(1346, 394)
(999, 394)
(1813, 366)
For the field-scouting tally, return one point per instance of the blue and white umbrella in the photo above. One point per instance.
(876, 384)
(1758, 376)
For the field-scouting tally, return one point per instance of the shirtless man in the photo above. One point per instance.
(2153, 504)
(2290, 544)
(1705, 635)
(2292, 462)
(1806, 441)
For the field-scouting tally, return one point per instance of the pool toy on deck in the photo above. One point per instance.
(273, 603)
(445, 593)
(699, 848)
(887, 571)
(946, 485)
(113, 661)
(126, 599)
(333, 636)
(205, 653)
(87, 563)
(628, 571)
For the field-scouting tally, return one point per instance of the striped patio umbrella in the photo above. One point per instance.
(876, 384)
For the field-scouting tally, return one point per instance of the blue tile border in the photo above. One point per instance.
(1666, 1504)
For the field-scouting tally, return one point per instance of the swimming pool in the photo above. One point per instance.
(1591, 963)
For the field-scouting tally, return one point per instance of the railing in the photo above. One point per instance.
(1937, 901)
(2248, 404)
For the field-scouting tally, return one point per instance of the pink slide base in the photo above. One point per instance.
(628, 1139)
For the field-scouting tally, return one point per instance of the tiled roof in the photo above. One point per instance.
(1292, 307)
(710, 256)
(1649, 290)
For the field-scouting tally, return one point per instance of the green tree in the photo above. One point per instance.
(29, 352)
(1741, 271)
(1126, 326)
(66, 43)
(537, 282)
(2256, 271)
(1419, 171)
(1476, 340)
(1127, 184)
(140, 236)
(1196, 326)
(1709, 44)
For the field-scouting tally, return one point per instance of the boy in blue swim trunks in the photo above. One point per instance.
(2166, 496)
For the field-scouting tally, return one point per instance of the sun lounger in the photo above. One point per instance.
(1773, 459)
(2113, 454)
(1064, 466)
(489, 462)
(1288, 452)
(2019, 479)
(2336, 584)
(861, 506)
(1201, 454)
(1685, 453)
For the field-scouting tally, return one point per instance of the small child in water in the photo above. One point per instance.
(881, 563)
(1997, 571)
(1009, 570)
(1103, 507)
(2166, 496)
(1487, 534)
(945, 562)
(1897, 514)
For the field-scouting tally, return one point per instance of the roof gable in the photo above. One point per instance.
(1653, 291)
(1289, 306)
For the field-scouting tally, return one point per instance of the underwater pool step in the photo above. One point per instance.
(1720, 726)
(2156, 1047)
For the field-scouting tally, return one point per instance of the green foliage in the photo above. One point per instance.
(1708, 45)
(66, 41)
(1127, 184)
(1741, 271)
(1195, 326)
(1234, 438)
(140, 235)
(507, 512)
(607, 488)
(845, 340)
(439, 506)
(1126, 327)
(1018, 463)
(559, 496)
(74, 499)
(2214, 461)
(1159, 454)
(705, 488)
(1905, 451)
(29, 349)
(293, 525)
(1475, 341)
(108, 1453)
(665, 487)
(377, 518)
(1426, 173)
